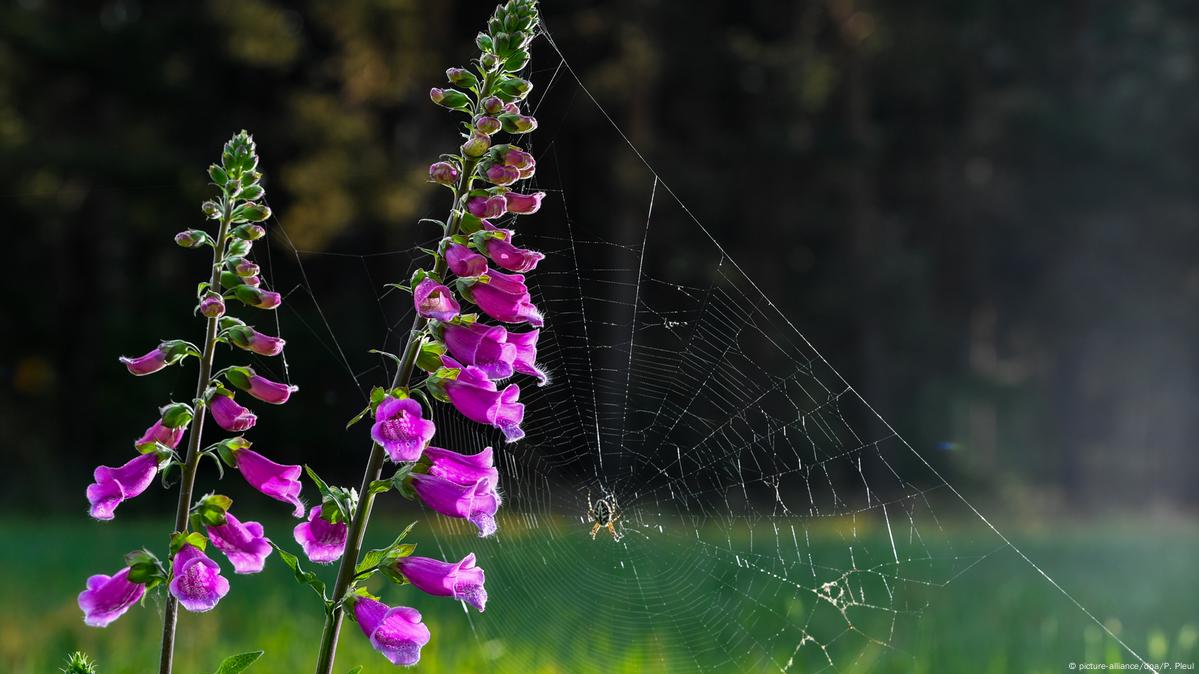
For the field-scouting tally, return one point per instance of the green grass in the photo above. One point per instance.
(657, 601)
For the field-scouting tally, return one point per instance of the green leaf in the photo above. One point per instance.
(516, 60)
(218, 175)
(358, 417)
(447, 373)
(252, 193)
(469, 224)
(240, 247)
(251, 213)
(388, 354)
(381, 556)
(356, 670)
(396, 481)
(194, 538)
(429, 356)
(321, 485)
(235, 664)
(303, 577)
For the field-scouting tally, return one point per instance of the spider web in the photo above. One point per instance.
(770, 518)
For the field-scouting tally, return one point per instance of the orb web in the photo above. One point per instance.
(766, 517)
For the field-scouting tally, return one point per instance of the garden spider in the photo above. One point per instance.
(604, 513)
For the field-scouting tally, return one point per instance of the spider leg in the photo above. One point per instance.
(595, 529)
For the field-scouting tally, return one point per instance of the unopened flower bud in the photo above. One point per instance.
(245, 268)
(499, 174)
(518, 123)
(191, 238)
(492, 105)
(515, 88)
(239, 248)
(212, 305)
(229, 279)
(486, 207)
(449, 98)
(443, 173)
(249, 232)
(489, 62)
(487, 125)
(176, 415)
(262, 299)
(252, 281)
(211, 209)
(245, 337)
(517, 158)
(477, 145)
(461, 77)
(511, 109)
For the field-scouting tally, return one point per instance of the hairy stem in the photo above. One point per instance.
(374, 464)
(192, 461)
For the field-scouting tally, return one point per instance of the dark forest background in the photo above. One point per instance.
(985, 213)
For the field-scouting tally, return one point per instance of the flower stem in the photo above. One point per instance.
(192, 461)
(374, 465)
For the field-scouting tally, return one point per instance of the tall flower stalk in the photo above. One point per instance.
(192, 577)
(450, 356)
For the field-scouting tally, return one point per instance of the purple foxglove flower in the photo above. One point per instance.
(484, 346)
(160, 433)
(276, 480)
(254, 282)
(397, 633)
(508, 256)
(443, 173)
(498, 174)
(476, 503)
(517, 158)
(108, 597)
(323, 542)
(487, 207)
(462, 261)
(245, 337)
(523, 204)
(212, 306)
(433, 300)
(231, 416)
(401, 430)
(526, 355)
(114, 485)
(463, 469)
(476, 397)
(196, 580)
(505, 298)
(264, 389)
(243, 543)
(148, 364)
(462, 580)
(255, 297)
